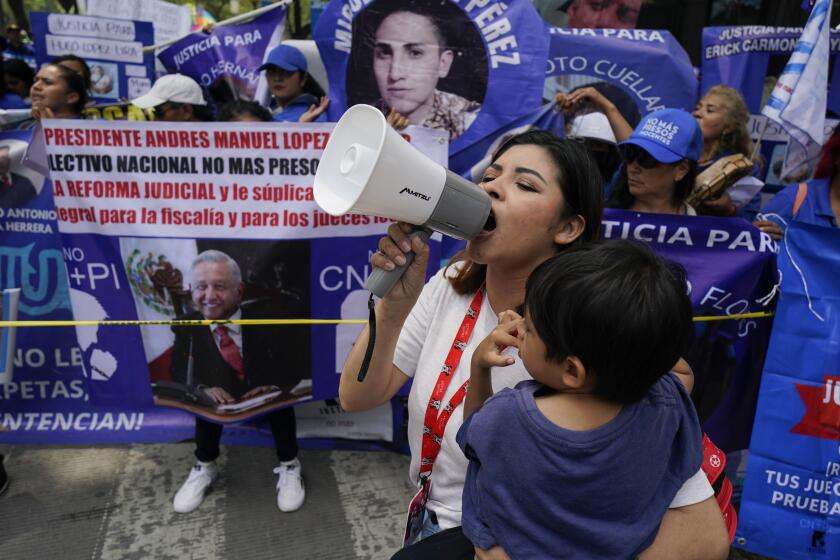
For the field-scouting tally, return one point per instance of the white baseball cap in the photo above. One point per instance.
(593, 125)
(175, 88)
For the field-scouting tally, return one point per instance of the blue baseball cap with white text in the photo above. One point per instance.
(669, 135)
(286, 57)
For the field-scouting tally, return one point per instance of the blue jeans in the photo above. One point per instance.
(430, 525)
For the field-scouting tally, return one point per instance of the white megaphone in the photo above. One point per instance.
(368, 168)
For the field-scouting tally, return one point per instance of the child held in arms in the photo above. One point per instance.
(584, 460)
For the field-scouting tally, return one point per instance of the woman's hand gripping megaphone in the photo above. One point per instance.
(403, 254)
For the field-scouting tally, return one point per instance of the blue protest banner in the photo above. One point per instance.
(112, 48)
(791, 501)
(465, 67)
(639, 70)
(47, 400)
(225, 61)
(730, 265)
(751, 58)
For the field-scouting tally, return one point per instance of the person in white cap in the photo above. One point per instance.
(175, 98)
(597, 135)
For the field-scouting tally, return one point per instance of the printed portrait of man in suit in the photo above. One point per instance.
(15, 190)
(235, 362)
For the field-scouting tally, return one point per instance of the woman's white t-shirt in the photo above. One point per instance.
(421, 350)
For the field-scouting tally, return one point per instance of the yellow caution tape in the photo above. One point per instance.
(207, 322)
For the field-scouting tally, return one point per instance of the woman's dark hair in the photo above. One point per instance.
(580, 184)
(468, 74)
(202, 113)
(311, 86)
(616, 306)
(74, 58)
(75, 84)
(20, 70)
(620, 196)
(233, 109)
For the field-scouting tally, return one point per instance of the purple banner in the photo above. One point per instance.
(225, 61)
(464, 67)
(730, 264)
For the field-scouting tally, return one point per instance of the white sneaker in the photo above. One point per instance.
(290, 492)
(191, 493)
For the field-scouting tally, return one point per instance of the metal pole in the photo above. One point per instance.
(230, 21)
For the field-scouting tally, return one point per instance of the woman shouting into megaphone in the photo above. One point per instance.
(545, 197)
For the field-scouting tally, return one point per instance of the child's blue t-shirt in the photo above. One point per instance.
(297, 107)
(541, 491)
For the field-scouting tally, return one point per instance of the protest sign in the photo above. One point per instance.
(112, 48)
(463, 67)
(138, 202)
(225, 61)
(47, 401)
(730, 264)
(751, 58)
(791, 500)
(639, 70)
(171, 21)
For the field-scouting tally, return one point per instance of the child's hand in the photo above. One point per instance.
(489, 352)
(495, 553)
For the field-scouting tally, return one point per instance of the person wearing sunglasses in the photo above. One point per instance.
(659, 164)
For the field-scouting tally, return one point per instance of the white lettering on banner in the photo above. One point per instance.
(813, 494)
(83, 26)
(641, 35)
(40, 390)
(630, 79)
(102, 49)
(189, 51)
(671, 235)
(335, 278)
(344, 24)
(750, 39)
(208, 180)
(496, 30)
(75, 421)
(229, 67)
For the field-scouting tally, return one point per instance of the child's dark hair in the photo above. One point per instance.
(619, 308)
(232, 110)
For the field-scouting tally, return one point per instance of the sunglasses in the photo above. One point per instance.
(631, 153)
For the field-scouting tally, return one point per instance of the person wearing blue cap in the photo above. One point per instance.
(659, 164)
(297, 96)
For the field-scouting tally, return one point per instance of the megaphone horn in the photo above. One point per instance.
(368, 168)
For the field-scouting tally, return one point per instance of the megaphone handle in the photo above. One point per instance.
(381, 281)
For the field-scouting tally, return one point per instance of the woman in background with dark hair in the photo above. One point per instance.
(58, 93)
(9, 99)
(18, 77)
(660, 164)
(297, 97)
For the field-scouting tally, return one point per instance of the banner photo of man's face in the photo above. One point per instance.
(224, 372)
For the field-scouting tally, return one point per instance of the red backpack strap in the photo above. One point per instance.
(801, 193)
(714, 465)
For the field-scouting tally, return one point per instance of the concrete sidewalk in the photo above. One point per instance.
(116, 503)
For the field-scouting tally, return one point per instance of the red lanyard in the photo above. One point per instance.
(434, 424)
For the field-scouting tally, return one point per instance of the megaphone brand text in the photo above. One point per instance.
(415, 193)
